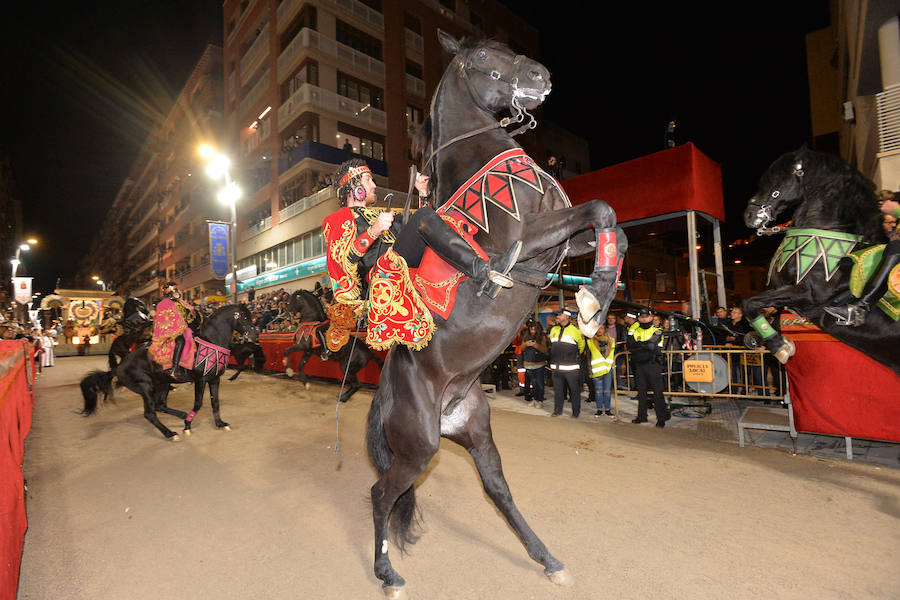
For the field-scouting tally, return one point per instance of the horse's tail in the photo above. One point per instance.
(94, 384)
(404, 517)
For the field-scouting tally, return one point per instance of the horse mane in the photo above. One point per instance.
(839, 184)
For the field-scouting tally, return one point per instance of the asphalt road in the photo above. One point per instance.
(269, 510)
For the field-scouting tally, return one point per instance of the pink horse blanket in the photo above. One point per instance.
(167, 326)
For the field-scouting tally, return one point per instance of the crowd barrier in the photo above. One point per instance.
(274, 345)
(714, 372)
(17, 370)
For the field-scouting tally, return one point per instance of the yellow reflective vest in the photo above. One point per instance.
(601, 364)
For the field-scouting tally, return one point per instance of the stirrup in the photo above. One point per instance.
(852, 315)
(498, 269)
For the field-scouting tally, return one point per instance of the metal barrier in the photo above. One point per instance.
(714, 372)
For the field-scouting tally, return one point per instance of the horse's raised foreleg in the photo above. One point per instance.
(162, 401)
(214, 402)
(239, 368)
(785, 296)
(546, 230)
(350, 366)
(469, 425)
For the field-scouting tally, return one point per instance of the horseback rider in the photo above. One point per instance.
(854, 312)
(171, 330)
(355, 229)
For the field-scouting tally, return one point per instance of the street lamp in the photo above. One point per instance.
(16, 262)
(218, 169)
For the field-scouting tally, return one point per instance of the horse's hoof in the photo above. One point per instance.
(289, 372)
(786, 351)
(587, 304)
(562, 578)
(227, 427)
(187, 432)
(175, 438)
(306, 385)
(394, 592)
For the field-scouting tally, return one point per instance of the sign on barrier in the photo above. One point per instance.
(698, 371)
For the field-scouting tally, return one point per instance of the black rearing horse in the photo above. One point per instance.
(146, 378)
(835, 210)
(352, 357)
(434, 392)
(244, 352)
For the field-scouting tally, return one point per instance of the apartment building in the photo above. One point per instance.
(156, 228)
(854, 81)
(309, 83)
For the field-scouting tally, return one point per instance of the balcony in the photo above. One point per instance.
(414, 41)
(154, 231)
(311, 97)
(256, 55)
(415, 86)
(195, 276)
(147, 262)
(312, 40)
(257, 229)
(254, 94)
(287, 10)
(324, 153)
(145, 288)
(360, 11)
(304, 204)
(230, 85)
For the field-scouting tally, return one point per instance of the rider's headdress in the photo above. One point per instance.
(348, 180)
(169, 287)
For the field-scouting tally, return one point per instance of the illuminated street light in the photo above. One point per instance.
(102, 284)
(95, 277)
(217, 169)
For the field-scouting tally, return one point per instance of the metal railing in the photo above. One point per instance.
(360, 11)
(414, 85)
(310, 39)
(414, 40)
(261, 86)
(257, 229)
(330, 101)
(305, 203)
(735, 373)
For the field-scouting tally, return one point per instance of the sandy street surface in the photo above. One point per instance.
(268, 510)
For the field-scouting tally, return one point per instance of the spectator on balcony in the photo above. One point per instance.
(348, 148)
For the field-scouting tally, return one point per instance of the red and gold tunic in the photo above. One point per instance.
(396, 312)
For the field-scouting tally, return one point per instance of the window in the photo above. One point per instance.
(358, 40)
(412, 23)
(307, 72)
(305, 19)
(360, 91)
(413, 68)
(449, 4)
(414, 118)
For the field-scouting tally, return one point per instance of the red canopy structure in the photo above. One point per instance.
(674, 183)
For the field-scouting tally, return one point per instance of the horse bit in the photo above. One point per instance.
(765, 210)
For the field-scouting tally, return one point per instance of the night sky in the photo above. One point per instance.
(84, 84)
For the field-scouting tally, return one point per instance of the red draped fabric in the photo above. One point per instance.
(838, 390)
(674, 180)
(16, 403)
(274, 345)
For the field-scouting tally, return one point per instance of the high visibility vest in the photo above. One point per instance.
(642, 335)
(600, 364)
(566, 344)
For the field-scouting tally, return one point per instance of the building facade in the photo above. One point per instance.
(854, 81)
(156, 229)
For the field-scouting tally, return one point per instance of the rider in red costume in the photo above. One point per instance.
(355, 229)
(171, 332)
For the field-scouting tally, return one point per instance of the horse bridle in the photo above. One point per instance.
(519, 111)
(765, 210)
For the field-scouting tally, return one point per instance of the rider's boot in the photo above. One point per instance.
(177, 370)
(489, 276)
(326, 353)
(854, 313)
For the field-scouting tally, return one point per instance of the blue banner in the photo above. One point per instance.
(218, 249)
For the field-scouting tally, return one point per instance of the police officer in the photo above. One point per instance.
(566, 346)
(645, 343)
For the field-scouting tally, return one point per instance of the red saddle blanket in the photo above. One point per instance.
(435, 279)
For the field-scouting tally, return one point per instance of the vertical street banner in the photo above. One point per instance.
(218, 249)
(22, 286)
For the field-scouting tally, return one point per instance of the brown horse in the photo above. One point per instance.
(432, 393)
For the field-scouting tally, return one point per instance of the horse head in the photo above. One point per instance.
(780, 187)
(242, 322)
(497, 77)
(308, 305)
